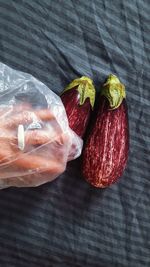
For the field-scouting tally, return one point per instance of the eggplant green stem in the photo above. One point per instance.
(86, 89)
(114, 91)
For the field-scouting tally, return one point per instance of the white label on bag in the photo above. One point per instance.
(21, 137)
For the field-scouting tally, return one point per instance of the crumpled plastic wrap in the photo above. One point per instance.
(35, 139)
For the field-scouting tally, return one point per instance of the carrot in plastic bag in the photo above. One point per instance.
(35, 139)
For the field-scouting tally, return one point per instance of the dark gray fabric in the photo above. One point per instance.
(67, 223)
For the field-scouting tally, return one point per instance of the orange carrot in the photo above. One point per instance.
(41, 137)
(31, 162)
(27, 117)
(28, 162)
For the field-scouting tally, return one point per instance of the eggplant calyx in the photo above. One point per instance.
(86, 89)
(114, 91)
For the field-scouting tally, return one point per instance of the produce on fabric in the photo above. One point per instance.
(36, 141)
(9, 141)
(36, 155)
(78, 99)
(106, 150)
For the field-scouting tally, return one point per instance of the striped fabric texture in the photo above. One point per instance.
(68, 223)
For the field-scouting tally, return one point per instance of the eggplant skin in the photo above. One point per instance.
(78, 115)
(106, 150)
(78, 99)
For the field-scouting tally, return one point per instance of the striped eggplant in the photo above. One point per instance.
(78, 99)
(106, 150)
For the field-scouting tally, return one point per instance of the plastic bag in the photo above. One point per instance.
(35, 139)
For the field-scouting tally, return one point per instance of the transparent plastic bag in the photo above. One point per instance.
(35, 139)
